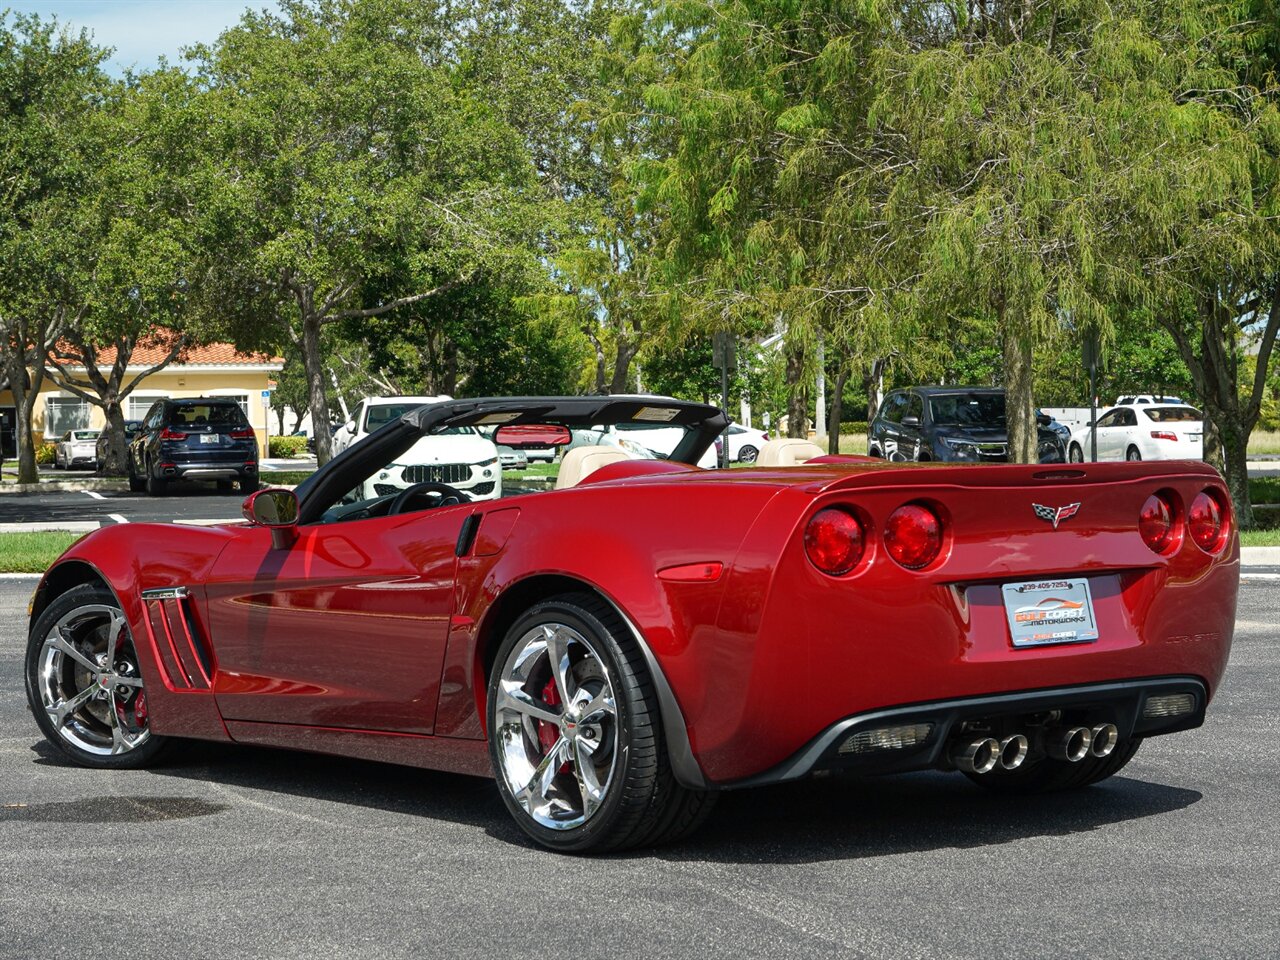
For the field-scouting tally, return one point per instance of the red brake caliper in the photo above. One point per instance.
(549, 733)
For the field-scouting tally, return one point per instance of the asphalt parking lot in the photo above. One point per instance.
(188, 505)
(234, 852)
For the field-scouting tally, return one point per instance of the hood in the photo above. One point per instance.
(468, 448)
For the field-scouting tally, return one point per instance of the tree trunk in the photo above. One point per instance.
(627, 349)
(1235, 447)
(837, 408)
(313, 367)
(797, 398)
(114, 464)
(25, 387)
(1020, 409)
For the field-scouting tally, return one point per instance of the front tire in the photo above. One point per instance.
(84, 685)
(575, 734)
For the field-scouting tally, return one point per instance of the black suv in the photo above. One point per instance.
(198, 439)
(952, 424)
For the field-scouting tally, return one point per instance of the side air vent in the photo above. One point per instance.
(172, 627)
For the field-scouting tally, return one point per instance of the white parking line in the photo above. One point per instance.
(1246, 577)
(93, 493)
(118, 517)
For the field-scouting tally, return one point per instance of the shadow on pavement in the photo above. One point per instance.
(837, 818)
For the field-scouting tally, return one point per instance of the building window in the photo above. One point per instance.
(65, 413)
(136, 407)
(240, 398)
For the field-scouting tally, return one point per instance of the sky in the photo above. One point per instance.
(141, 31)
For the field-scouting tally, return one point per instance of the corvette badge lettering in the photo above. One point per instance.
(1056, 515)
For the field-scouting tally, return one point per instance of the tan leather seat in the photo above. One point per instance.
(787, 452)
(580, 462)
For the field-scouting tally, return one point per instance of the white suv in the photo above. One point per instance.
(460, 456)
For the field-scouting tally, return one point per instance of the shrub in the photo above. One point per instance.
(44, 453)
(283, 447)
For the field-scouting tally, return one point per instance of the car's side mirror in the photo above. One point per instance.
(350, 427)
(911, 420)
(276, 509)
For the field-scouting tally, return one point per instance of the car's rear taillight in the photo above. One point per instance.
(1163, 435)
(244, 434)
(1208, 521)
(834, 541)
(913, 535)
(168, 433)
(1157, 522)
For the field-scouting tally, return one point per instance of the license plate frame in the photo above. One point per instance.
(1050, 612)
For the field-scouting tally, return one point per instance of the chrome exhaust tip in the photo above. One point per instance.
(1105, 738)
(1069, 743)
(1013, 750)
(976, 756)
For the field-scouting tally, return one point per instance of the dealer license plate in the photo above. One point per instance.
(210, 438)
(1042, 612)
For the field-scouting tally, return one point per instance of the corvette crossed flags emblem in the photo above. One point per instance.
(1056, 515)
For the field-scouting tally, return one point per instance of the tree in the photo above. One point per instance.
(50, 80)
(125, 245)
(356, 178)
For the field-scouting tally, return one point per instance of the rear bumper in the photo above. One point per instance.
(1124, 703)
(207, 471)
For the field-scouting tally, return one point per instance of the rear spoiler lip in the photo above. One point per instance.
(1022, 475)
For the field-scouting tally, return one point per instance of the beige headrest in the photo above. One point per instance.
(580, 462)
(787, 452)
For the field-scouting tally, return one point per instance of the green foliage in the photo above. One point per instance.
(45, 453)
(281, 448)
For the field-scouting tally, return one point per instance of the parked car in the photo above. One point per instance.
(954, 425)
(75, 448)
(744, 442)
(131, 428)
(374, 413)
(1143, 432)
(204, 438)
(460, 456)
(617, 650)
(512, 459)
(1148, 398)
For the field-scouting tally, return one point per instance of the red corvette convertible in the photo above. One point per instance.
(618, 649)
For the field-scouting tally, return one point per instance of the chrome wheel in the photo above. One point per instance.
(556, 726)
(87, 677)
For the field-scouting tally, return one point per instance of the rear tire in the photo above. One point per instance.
(1075, 454)
(136, 483)
(156, 487)
(1047, 775)
(249, 485)
(225, 486)
(747, 454)
(1133, 455)
(579, 755)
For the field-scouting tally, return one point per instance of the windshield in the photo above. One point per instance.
(85, 435)
(379, 415)
(968, 409)
(1173, 414)
(217, 414)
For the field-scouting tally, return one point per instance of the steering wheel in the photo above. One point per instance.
(448, 496)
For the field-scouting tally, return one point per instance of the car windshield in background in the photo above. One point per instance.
(84, 435)
(379, 415)
(216, 414)
(967, 409)
(1173, 414)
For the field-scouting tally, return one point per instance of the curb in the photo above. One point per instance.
(1260, 556)
(64, 486)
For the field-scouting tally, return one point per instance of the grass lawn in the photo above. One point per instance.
(1260, 538)
(33, 552)
(1264, 489)
(1264, 441)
